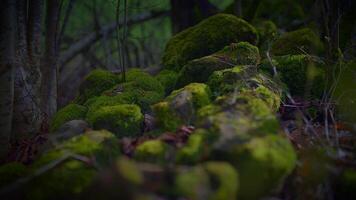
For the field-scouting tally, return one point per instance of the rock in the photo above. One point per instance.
(199, 70)
(207, 37)
(180, 106)
(303, 75)
(246, 78)
(153, 151)
(263, 163)
(301, 41)
(66, 114)
(168, 79)
(285, 13)
(95, 83)
(124, 120)
(72, 175)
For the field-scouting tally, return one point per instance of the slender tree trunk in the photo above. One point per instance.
(49, 62)
(186, 13)
(7, 66)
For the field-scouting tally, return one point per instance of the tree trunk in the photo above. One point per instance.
(186, 13)
(49, 62)
(7, 66)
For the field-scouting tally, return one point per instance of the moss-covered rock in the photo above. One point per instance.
(181, 105)
(137, 78)
(301, 41)
(66, 114)
(194, 150)
(124, 120)
(11, 172)
(153, 151)
(168, 79)
(205, 38)
(262, 163)
(95, 83)
(71, 176)
(285, 13)
(210, 180)
(303, 75)
(246, 78)
(267, 31)
(199, 70)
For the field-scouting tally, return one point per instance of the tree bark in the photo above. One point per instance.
(49, 62)
(7, 66)
(186, 13)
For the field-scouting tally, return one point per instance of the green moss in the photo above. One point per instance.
(267, 32)
(138, 79)
(205, 38)
(224, 178)
(304, 75)
(199, 70)
(285, 13)
(168, 79)
(301, 41)
(95, 83)
(193, 151)
(129, 171)
(180, 106)
(66, 114)
(72, 176)
(151, 151)
(124, 120)
(263, 163)
(11, 172)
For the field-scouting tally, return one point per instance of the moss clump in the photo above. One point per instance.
(72, 176)
(285, 13)
(11, 172)
(95, 83)
(303, 75)
(199, 70)
(302, 41)
(193, 151)
(168, 79)
(138, 79)
(153, 151)
(129, 171)
(225, 179)
(205, 38)
(267, 31)
(66, 114)
(180, 106)
(124, 120)
(263, 163)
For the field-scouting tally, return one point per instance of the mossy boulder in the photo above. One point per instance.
(153, 151)
(124, 120)
(66, 114)
(303, 75)
(301, 41)
(181, 106)
(285, 13)
(194, 150)
(168, 79)
(210, 180)
(72, 175)
(95, 83)
(263, 163)
(199, 70)
(205, 38)
(246, 78)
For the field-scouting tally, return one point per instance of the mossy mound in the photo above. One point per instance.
(262, 163)
(11, 172)
(124, 120)
(139, 79)
(210, 180)
(66, 114)
(168, 79)
(194, 150)
(71, 176)
(267, 32)
(181, 105)
(284, 13)
(245, 78)
(199, 70)
(153, 151)
(301, 41)
(207, 37)
(303, 75)
(95, 83)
